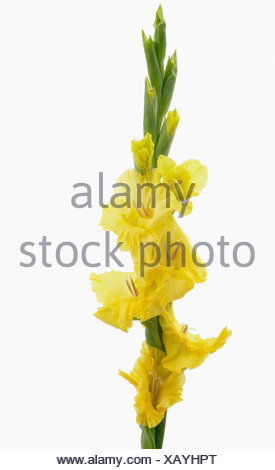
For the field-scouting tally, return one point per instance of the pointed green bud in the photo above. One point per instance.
(160, 37)
(166, 136)
(169, 81)
(150, 110)
(154, 72)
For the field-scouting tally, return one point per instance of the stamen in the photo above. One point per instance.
(156, 382)
(176, 250)
(135, 206)
(179, 181)
(153, 373)
(130, 289)
(149, 202)
(144, 210)
(134, 287)
(184, 329)
(166, 251)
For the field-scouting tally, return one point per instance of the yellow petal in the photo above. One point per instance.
(185, 181)
(124, 298)
(197, 174)
(151, 204)
(157, 387)
(119, 315)
(165, 165)
(120, 304)
(184, 349)
(170, 391)
(176, 272)
(111, 286)
(128, 377)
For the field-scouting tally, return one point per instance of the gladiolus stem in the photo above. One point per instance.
(153, 333)
(158, 95)
(159, 432)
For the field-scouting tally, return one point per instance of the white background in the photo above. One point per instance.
(71, 100)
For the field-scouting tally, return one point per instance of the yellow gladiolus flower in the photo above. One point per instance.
(140, 211)
(186, 350)
(186, 180)
(124, 298)
(143, 152)
(157, 387)
(176, 270)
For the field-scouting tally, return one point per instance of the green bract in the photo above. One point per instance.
(159, 87)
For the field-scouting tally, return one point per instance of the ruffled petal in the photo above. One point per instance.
(111, 286)
(157, 388)
(197, 174)
(165, 165)
(184, 349)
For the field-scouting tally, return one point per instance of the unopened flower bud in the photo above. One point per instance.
(167, 134)
(143, 152)
(172, 122)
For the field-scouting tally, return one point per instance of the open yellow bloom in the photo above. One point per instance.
(140, 211)
(184, 349)
(181, 178)
(124, 298)
(157, 387)
(175, 272)
(143, 152)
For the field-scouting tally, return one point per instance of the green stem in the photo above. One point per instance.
(148, 438)
(153, 333)
(158, 94)
(159, 432)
